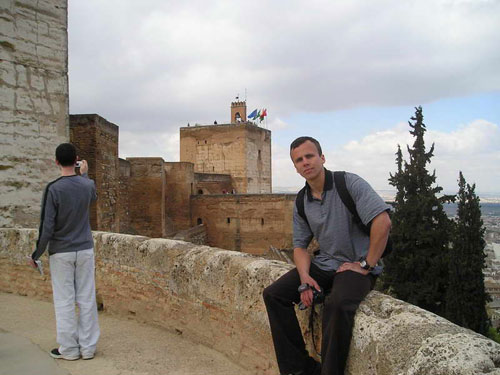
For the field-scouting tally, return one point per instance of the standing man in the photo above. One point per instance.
(65, 227)
(345, 268)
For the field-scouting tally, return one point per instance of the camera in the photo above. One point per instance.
(78, 164)
(318, 295)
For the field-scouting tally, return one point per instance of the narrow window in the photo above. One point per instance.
(229, 220)
(199, 221)
(262, 221)
(200, 191)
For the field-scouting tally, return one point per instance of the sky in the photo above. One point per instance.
(349, 73)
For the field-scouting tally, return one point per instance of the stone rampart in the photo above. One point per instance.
(213, 296)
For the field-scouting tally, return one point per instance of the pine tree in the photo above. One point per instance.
(417, 271)
(466, 296)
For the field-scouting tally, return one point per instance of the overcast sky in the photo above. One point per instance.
(346, 72)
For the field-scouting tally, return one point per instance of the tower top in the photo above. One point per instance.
(238, 112)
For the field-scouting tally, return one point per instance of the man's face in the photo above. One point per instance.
(307, 160)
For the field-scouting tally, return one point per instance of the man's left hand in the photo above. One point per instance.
(354, 266)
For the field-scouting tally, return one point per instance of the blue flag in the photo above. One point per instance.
(253, 115)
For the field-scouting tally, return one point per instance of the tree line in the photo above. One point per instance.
(436, 262)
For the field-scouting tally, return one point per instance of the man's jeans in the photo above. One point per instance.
(73, 282)
(345, 292)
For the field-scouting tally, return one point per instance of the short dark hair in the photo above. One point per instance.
(302, 140)
(66, 154)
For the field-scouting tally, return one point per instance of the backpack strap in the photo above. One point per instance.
(299, 203)
(345, 196)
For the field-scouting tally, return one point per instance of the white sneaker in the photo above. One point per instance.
(88, 356)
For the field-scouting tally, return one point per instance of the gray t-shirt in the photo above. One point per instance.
(330, 222)
(64, 222)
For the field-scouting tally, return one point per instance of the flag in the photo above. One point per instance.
(263, 114)
(253, 115)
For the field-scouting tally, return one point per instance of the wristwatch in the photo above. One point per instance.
(364, 265)
(303, 287)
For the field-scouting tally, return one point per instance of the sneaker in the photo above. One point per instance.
(54, 353)
(88, 356)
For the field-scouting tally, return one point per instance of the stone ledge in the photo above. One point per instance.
(214, 297)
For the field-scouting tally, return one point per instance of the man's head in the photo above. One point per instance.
(307, 157)
(66, 154)
(301, 140)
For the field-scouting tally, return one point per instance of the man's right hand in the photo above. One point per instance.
(306, 296)
(84, 167)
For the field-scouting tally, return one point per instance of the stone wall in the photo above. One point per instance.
(240, 150)
(249, 223)
(33, 103)
(96, 140)
(123, 192)
(146, 203)
(210, 183)
(179, 180)
(213, 297)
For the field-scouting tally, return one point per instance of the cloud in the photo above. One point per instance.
(180, 62)
(149, 144)
(472, 149)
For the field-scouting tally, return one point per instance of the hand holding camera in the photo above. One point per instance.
(318, 295)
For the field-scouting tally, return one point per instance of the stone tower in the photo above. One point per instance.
(240, 149)
(34, 104)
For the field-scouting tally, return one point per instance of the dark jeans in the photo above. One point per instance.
(345, 292)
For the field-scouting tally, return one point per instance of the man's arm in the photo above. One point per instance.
(84, 168)
(379, 233)
(46, 230)
(302, 261)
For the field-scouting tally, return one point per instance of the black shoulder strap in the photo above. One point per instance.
(299, 202)
(345, 196)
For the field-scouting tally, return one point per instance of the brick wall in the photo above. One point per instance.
(248, 223)
(96, 140)
(123, 197)
(179, 180)
(33, 104)
(146, 196)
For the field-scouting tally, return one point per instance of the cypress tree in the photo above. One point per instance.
(417, 270)
(466, 297)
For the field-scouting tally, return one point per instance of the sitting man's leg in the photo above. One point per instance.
(280, 298)
(348, 290)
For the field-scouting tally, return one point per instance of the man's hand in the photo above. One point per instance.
(31, 262)
(354, 266)
(84, 167)
(307, 296)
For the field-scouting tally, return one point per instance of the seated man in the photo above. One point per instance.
(345, 268)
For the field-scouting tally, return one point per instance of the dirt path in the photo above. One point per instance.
(125, 347)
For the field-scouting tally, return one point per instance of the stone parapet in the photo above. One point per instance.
(213, 297)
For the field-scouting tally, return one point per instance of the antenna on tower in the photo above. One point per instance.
(245, 94)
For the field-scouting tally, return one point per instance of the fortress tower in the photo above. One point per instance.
(240, 149)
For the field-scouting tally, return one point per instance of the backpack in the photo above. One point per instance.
(345, 196)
